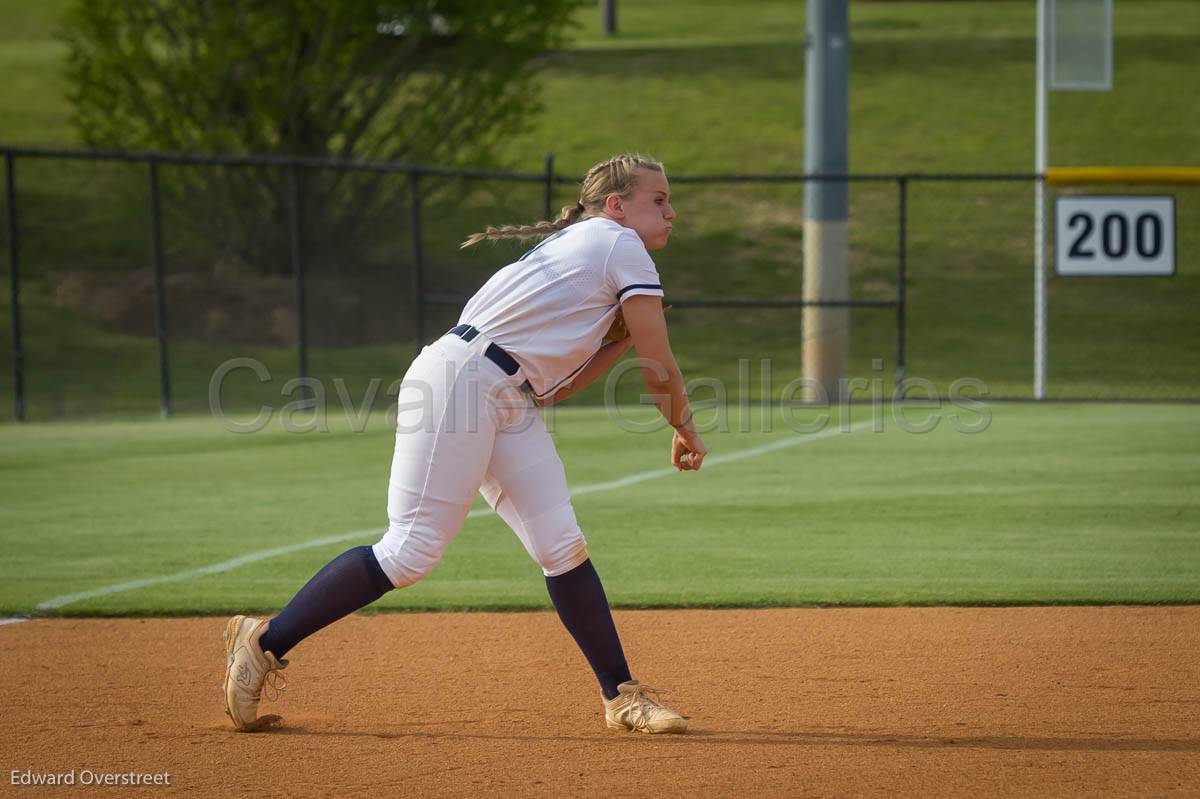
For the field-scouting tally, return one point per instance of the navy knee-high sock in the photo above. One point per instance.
(352, 580)
(579, 599)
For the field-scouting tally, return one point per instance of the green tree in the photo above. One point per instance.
(418, 81)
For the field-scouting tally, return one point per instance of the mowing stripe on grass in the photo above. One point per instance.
(253, 557)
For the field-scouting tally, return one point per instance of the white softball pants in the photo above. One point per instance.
(464, 426)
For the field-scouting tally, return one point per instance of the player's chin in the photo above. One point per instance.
(661, 241)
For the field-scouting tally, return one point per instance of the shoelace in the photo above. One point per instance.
(642, 690)
(275, 680)
(641, 699)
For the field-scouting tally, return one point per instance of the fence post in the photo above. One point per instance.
(418, 276)
(549, 187)
(14, 287)
(160, 292)
(608, 17)
(297, 270)
(901, 279)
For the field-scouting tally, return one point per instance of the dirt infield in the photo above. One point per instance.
(863, 702)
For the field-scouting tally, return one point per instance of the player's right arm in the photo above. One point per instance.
(648, 329)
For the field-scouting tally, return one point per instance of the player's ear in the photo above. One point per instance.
(614, 206)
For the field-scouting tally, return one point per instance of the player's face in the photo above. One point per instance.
(648, 210)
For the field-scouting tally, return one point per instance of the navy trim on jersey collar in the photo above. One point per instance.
(539, 244)
(633, 286)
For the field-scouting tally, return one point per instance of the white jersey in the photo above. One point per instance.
(551, 309)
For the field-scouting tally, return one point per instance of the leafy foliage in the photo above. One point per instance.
(423, 81)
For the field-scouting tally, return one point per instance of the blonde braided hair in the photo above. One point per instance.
(618, 175)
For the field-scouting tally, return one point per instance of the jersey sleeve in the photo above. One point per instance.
(630, 271)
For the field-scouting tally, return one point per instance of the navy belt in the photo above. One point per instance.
(493, 353)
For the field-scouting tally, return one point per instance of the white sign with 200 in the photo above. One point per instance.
(1131, 236)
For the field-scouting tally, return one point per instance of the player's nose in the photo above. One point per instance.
(668, 212)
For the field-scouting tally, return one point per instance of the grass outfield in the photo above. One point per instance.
(1049, 504)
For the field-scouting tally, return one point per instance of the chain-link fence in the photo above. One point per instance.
(138, 283)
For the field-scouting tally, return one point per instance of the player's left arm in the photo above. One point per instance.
(600, 363)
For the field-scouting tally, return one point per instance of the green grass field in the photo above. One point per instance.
(708, 87)
(1058, 503)
(1048, 504)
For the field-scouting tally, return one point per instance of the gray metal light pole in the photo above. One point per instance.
(826, 210)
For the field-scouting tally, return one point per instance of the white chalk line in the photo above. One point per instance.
(254, 557)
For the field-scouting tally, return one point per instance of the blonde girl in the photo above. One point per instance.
(538, 331)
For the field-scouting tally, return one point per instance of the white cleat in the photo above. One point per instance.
(633, 709)
(247, 668)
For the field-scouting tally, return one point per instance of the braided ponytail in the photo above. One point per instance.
(617, 175)
(569, 215)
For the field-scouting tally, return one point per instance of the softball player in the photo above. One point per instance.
(538, 331)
